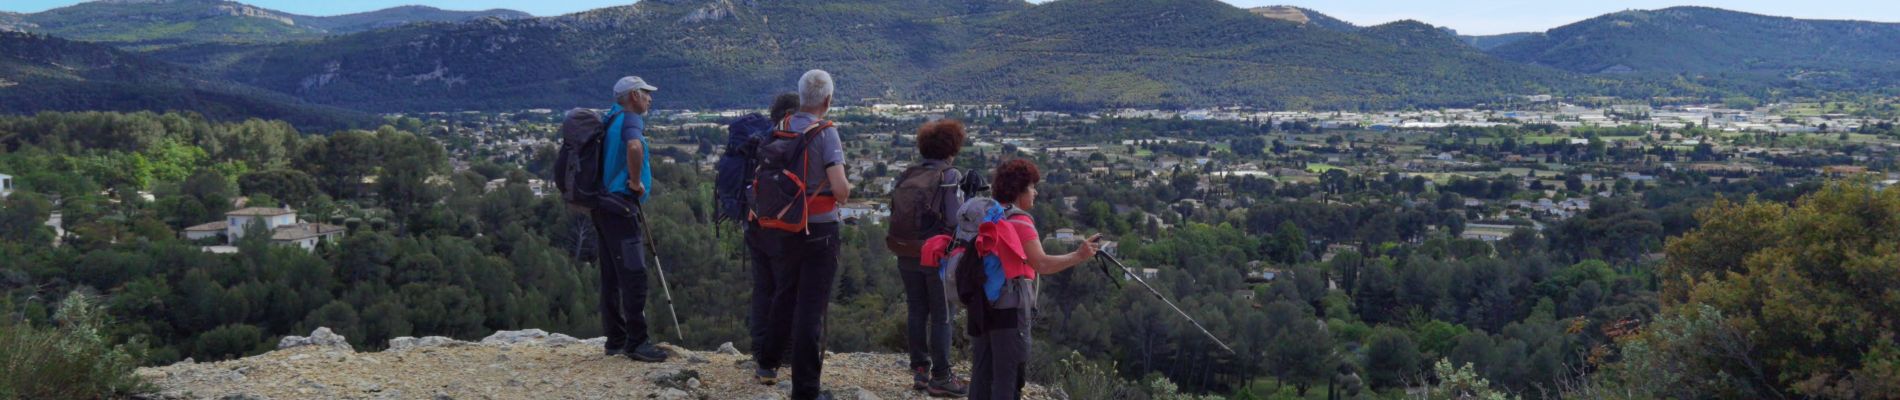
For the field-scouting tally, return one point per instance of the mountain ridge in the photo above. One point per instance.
(1067, 55)
(43, 73)
(172, 22)
(723, 53)
(1712, 40)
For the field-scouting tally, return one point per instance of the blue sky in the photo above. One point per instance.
(1467, 16)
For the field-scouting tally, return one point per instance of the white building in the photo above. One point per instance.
(238, 220)
(207, 230)
(281, 223)
(865, 212)
(6, 185)
(540, 188)
(305, 236)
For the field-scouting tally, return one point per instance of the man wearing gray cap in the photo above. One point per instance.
(625, 174)
(805, 264)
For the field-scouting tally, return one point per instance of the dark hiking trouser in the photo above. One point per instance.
(763, 287)
(999, 360)
(623, 280)
(929, 324)
(804, 270)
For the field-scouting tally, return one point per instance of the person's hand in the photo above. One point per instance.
(633, 184)
(1088, 246)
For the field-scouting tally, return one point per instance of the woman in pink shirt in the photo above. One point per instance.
(1000, 353)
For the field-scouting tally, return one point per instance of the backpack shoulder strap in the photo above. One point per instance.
(607, 119)
(1012, 212)
(819, 126)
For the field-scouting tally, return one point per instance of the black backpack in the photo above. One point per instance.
(781, 197)
(736, 166)
(917, 208)
(578, 167)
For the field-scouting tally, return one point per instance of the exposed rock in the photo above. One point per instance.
(854, 393)
(531, 337)
(515, 337)
(556, 339)
(406, 343)
(322, 337)
(728, 349)
(510, 365)
(672, 394)
(678, 379)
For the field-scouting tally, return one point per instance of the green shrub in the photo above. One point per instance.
(72, 360)
(1081, 378)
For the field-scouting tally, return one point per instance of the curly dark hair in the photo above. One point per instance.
(783, 106)
(1013, 179)
(940, 139)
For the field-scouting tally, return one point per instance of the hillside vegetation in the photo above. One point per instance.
(173, 22)
(42, 73)
(1700, 40)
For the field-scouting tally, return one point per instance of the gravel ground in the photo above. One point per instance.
(511, 365)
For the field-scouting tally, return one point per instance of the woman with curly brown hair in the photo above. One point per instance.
(923, 205)
(1000, 353)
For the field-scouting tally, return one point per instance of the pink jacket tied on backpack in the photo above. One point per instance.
(936, 249)
(1004, 240)
(999, 277)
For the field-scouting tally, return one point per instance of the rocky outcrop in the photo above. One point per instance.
(322, 337)
(527, 364)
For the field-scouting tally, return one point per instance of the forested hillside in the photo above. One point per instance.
(1067, 54)
(42, 73)
(163, 23)
(1701, 40)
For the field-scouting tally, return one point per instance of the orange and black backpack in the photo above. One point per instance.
(781, 188)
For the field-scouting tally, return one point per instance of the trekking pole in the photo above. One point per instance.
(644, 231)
(1157, 293)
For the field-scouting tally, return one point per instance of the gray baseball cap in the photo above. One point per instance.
(632, 83)
(970, 216)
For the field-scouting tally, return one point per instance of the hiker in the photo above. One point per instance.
(763, 286)
(1000, 353)
(923, 205)
(799, 233)
(628, 180)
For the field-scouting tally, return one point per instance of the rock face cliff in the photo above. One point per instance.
(528, 364)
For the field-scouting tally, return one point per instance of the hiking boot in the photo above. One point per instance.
(646, 352)
(919, 378)
(767, 377)
(949, 386)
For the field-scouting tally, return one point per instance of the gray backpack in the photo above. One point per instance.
(950, 268)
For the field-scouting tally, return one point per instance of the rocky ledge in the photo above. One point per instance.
(529, 364)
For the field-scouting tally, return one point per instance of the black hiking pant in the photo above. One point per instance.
(764, 286)
(999, 359)
(623, 280)
(804, 272)
(929, 323)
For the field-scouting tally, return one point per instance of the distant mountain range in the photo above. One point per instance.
(721, 53)
(1065, 54)
(41, 73)
(1700, 40)
(173, 22)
